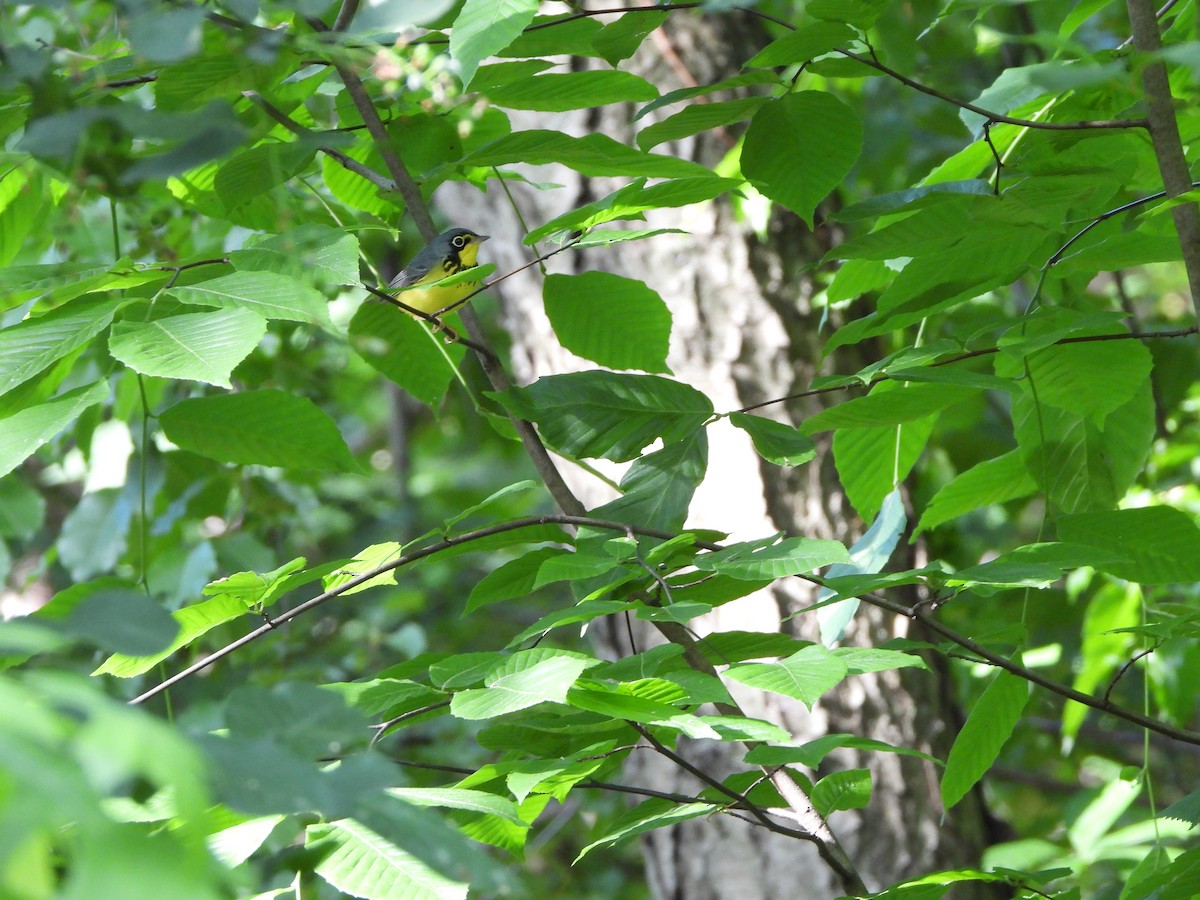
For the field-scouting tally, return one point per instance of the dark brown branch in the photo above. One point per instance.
(1126, 666)
(867, 61)
(1164, 134)
(918, 613)
(974, 354)
(816, 831)
(347, 162)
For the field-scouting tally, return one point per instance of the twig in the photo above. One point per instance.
(867, 61)
(816, 831)
(1128, 664)
(974, 354)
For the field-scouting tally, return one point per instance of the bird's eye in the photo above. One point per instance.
(459, 240)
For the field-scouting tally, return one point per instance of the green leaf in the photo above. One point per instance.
(791, 556)
(1035, 565)
(889, 404)
(124, 621)
(317, 253)
(850, 789)
(459, 798)
(776, 442)
(594, 155)
(860, 660)
(270, 295)
(22, 509)
(23, 432)
(521, 680)
(197, 346)
(803, 44)
(258, 170)
(614, 321)
(987, 483)
(608, 414)
(166, 35)
(28, 347)
(581, 612)
(383, 15)
(646, 816)
(193, 621)
(659, 486)
(634, 199)
(724, 647)
(988, 727)
(812, 753)
(926, 230)
(619, 40)
(485, 27)
(1161, 543)
(514, 579)
(806, 675)
(871, 462)
(360, 862)
(401, 348)
(609, 237)
(576, 566)
(1079, 466)
(909, 200)
(620, 704)
(567, 37)
(799, 148)
(859, 13)
(1107, 638)
(985, 259)
(573, 90)
(267, 428)
(746, 79)
(697, 118)
(1090, 379)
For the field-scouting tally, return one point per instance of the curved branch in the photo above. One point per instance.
(917, 613)
(865, 60)
(974, 354)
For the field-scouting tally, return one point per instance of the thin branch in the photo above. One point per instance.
(495, 281)
(348, 163)
(867, 61)
(691, 650)
(974, 354)
(1056, 258)
(987, 114)
(823, 839)
(1129, 664)
(1101, 704)
(382, 728)
(1164, 134)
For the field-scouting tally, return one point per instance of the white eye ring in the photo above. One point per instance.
(459, 240)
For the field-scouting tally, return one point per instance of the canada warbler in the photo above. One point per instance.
(449, 252)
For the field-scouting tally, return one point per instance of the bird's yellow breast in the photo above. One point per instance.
(431, 299)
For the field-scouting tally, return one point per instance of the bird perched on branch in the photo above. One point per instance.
(449, 253)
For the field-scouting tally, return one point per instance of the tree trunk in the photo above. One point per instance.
(744, 330)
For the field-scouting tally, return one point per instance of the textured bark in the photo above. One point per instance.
(744, 331)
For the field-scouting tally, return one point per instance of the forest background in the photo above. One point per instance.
(809, 499)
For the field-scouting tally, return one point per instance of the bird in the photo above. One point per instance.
(451, 251)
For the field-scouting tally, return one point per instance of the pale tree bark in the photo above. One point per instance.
(744, 330)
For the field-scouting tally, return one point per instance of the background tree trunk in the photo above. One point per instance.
(744, 330)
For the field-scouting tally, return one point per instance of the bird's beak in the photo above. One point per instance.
(480, 238)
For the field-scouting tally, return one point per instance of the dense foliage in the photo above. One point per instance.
(194, 438)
